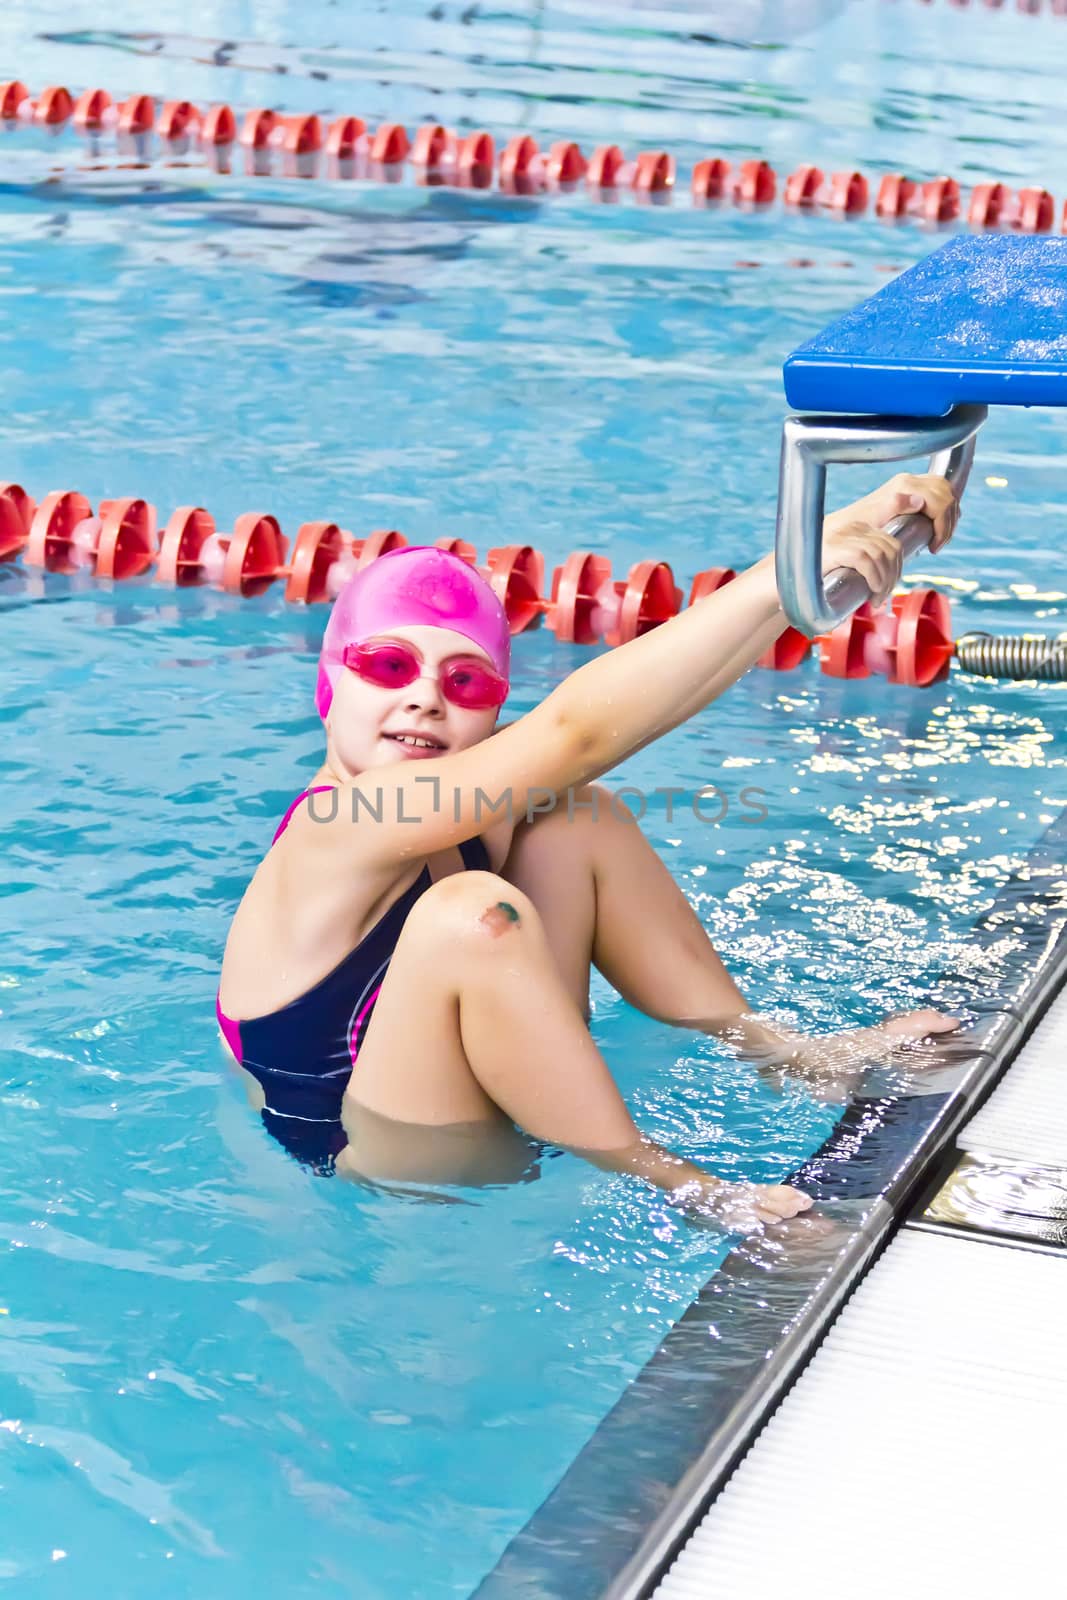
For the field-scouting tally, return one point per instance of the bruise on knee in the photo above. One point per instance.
(499, 919)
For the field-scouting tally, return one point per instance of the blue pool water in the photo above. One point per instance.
(217, 1372)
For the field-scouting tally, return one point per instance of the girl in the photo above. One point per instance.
(410, 962)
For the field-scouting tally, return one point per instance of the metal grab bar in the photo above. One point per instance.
(809, 445)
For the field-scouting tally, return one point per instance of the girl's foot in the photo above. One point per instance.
(832, 1063)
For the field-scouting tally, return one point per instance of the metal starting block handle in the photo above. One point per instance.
(809, 445)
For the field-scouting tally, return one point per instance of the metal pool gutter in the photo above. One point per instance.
(621, 1512)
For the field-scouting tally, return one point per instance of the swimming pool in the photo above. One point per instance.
(397, 1386)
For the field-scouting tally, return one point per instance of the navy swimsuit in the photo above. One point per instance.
(303, 1054)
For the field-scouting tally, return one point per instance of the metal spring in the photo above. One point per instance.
(990, 657)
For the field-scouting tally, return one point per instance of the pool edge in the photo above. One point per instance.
(624, 1507)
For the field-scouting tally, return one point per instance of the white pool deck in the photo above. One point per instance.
(920, 1453)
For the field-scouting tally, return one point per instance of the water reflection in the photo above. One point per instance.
(999, 1195)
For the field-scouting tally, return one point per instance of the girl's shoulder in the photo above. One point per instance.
(296, 920)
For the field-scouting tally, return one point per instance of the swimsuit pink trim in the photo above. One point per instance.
(321, 788)
(231, 1031)
(354, 1035)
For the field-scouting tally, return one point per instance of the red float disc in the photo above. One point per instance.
(137, 114)
(653, 172)
(477, 150)
(756, 183)
(257, 127)
(458, 547)
(709, 581)
(787, 652)
(1036, 210)
(25, 504)
(849, 192)
(802, 186)
(344, 135)
(565, 163)
(516, 573)
(177, 118)
(475, 159)
(317, 546)
(895, 195)
(12, 94)
(988, 200)
(648, 597)
(127, 543)
(940, 200)
(710, 178)
(256, 552)
(390, 144)
(13, 529)
(515, 161)
(841, 653)
(433, 145)
(50, 531)
(54, 106)
(603, 169)
(379, 543)
(924, 637)
(89, 109)
(219, 126)
(179, 549)
(302, 135)
(576, 589)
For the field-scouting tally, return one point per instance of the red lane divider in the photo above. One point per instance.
(390, 144)
(756, 183)
(847, 192)
(244, 561)
(346, 136)
(439, 155)
(138, 115)
(517, 574)
(895, 193)
(908, 641)
(587, 605)
(17, 511)
(709, 179)
(995, 205)
(177, 120)
(118, 542)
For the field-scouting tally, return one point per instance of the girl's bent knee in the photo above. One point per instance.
(479, 907)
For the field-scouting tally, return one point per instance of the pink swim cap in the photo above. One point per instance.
(417, 586)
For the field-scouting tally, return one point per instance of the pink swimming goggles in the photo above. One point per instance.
(417, 586)
(464, 680)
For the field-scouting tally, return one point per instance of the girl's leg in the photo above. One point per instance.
(606, 897)
(473, 1031)
(474, 1028)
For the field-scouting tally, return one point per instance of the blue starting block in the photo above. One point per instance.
(981, 322)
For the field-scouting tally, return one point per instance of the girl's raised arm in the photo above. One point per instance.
(587, 725)
(606, 709)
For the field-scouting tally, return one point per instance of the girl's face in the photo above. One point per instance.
(364, 719)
